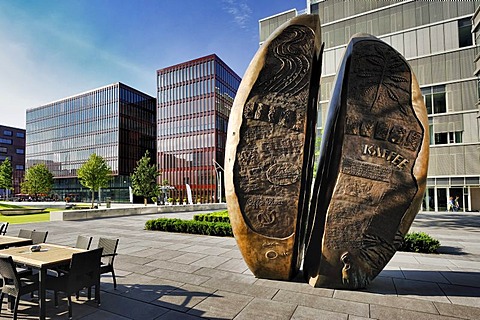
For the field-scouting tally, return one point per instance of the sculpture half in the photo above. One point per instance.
(270, 147)
(372, 169)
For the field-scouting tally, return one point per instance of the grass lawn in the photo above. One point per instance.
(26, 218)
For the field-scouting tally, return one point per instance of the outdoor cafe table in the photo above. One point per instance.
(7, 241)
(49, 256)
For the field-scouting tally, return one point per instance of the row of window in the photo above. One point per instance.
(387, 20)
(420, 42)
(187, 159)
(9, 133)
(98, 140)
(167, 77)
(195, 124)
(185, 108)
(186, 142)
(187, 90)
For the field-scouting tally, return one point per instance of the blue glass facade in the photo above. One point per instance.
(194, 102)
(116, 122)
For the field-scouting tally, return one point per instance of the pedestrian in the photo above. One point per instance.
(456, 205)
(450, 204)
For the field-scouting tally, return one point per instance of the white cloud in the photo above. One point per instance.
(240, 11)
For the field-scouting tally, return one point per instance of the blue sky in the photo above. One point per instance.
(54, 49)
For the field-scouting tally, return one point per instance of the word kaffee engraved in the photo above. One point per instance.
(393, 157)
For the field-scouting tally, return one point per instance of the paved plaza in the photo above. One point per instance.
(180, 276)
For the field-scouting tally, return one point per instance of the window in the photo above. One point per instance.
(5, 141)
(2, 158)
(19, 167)
(435, 99)
(465, 32)
(7, 133)
(20, 135)
(448, 137)
(19, 151)
(3, 150)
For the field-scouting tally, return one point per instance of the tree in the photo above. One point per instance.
(94, 174)
(144, 178)
(38, 179)
(6, 176)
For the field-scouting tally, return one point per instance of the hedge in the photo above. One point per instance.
(221, 229)
(221, 216)
(419, 242)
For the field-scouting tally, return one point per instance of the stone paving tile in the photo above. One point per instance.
(434, 261)
(471, 279)
(323, 303)
(187, 258)
(295, 287)
(241, 288)
(387, 300)
(132, 259)
(210, 262)
(232, 253)
(423, 275)
(350, 317)
(403, 257)
(420, 290)
(214, 251)
(151, 291)
(233, 265)
(306, 313)
(454, 310)
(466, 264)
(267, 310)
(171, 265)
(184, 298)
(392, 272)
(177, 275)
(462, 295)
(221, 305)
(194, 248)
(129, 250)
(383, 285)
(169, 254)
(100, 315)
(175, 315)
(220, 274)
(141, 269)
(130, 308)
(150, 252)
(177, 246)
(390, 313)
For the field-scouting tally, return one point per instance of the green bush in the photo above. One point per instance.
(190, 226)
(420, 242)
(221, 216)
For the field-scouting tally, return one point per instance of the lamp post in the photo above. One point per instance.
(219, 179)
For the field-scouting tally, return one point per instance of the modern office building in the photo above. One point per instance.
(12, 146)
(435, 37)
(116, 122)
(194, 103)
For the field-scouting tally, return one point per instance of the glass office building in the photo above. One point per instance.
(435, 37)
(12, 147)
(116, 122)
(194, 103)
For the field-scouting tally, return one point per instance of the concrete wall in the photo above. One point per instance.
(69, 215)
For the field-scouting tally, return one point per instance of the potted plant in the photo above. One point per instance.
(170, 201)
(178, 201)
(184, 200)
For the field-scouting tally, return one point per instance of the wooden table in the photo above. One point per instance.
(7, 241)
(49, 256)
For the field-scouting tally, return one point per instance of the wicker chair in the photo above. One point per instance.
(3, 228)
(84, 272)
(83, 242)
(39, 236)
(27, 234)
(13, 285)
(109, 252)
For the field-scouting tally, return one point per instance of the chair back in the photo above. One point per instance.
(84, 270)
(109, 249)
(83, 242)
(23, 233)
(8, 271)
(3, 228)
(39, 236)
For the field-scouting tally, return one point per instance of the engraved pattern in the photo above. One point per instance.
(289, 68)
(386, 66)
